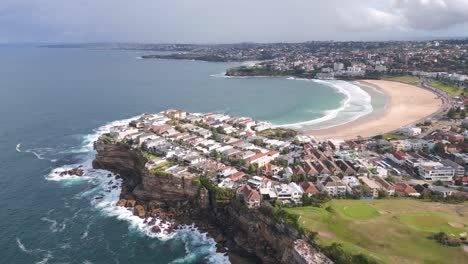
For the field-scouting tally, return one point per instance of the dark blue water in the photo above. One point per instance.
(53, 100)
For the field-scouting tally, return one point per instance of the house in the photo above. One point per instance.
(176, 114)
(260, 159)
(461, 181)
(398, 157)
(192, 159)
(351, 182)
(309, 188)
(145, 137)
(255, 182)
(160, 129)
(345, 168)
(237, 176)
(226, 171)
(250, 196)
(332, 185)
(122, 132)
(307, 169)
(289, 192)
(385, 185)
(372, 185)
(411, 131)
(422, 189)
(270, 169)
(245, 154)
(442, 190)
(406, 190)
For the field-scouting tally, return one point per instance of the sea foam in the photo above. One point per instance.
(357, 103)
(105, 193)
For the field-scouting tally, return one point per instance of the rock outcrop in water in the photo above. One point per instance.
(75, 171)
(246, 232)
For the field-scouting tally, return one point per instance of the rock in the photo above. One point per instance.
(139, 211)
(152, 222)
(156, 229)
(219, 238)
(153, 205)
(122, 203)
(131, 203)
(75, 171)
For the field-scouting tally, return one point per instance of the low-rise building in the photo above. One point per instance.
(435, 171)
(372, 185)
(332, 185)
(250, 196)
(406, 190)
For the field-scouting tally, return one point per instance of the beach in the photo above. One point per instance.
(406, 104)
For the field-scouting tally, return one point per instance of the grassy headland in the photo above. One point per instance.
(390, 231)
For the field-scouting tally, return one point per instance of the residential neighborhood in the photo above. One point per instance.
(263, 163)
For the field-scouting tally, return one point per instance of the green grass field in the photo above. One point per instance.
(452, 90)
(394, 136)
(390, 230)
(404, 79)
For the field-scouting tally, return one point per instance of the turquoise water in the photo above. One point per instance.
(54, 102)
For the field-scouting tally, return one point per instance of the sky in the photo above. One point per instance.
(229, 21)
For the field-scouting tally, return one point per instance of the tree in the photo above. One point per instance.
(215, 154)
(439, 148)
(383, 194)
(252, 169)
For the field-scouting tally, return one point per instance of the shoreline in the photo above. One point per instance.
(400, 110)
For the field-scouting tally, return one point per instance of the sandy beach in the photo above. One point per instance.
(406, 104)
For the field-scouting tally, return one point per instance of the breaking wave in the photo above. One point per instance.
(357, 103)
(104, 195)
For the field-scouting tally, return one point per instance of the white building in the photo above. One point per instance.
(338, 66)
(435, 171)
(411, 131)
(332, 185)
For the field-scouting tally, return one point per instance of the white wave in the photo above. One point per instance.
(39, 156)
(55, 174)
(199, 244)
(357, 103)
(220, 75)
(23, 247)
(54, 225)
(45, 260)
(105, 195)
(18, 146)
(47, 255)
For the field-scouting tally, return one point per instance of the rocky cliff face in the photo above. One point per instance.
(245, 231)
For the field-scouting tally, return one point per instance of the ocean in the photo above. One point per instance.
(55, 102)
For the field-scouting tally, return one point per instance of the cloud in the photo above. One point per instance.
(217, 21)
(432, 14)
(369, 19)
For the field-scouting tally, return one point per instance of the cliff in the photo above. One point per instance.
(247, 232)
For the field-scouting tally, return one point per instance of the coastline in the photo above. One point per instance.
(398, 112)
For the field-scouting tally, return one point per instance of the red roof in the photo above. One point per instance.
(309, 187)
(404, 188)
(462, 179)
(237, 176)
(255, 157)
(272, 152)
(399, 155)
(248, 193)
